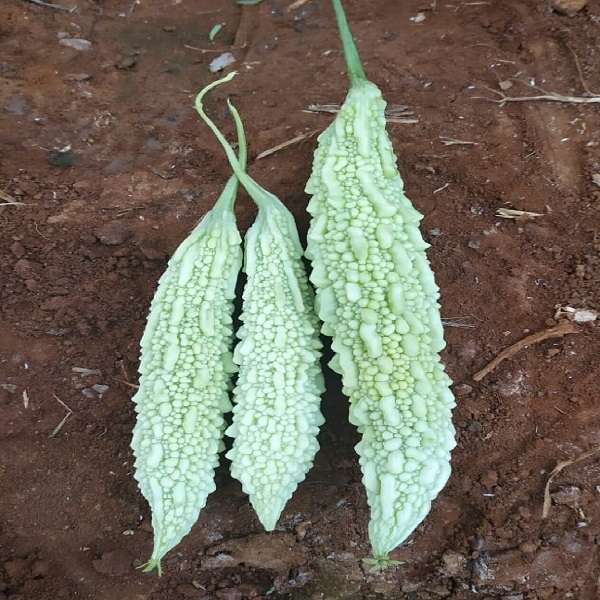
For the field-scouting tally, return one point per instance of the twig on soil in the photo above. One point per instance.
(9, 200)
(294, 140)
(297, 4)
(560, 330)
(438, 190)
(135, 386)
(50, 5)
(57, 429)
(393, 114)
(204, 50)
(25, 399)
(584, 84)
(517, 215)
(448, 141)
(545, 97)
(563, 464)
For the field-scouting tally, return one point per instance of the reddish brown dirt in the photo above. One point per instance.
(72, 523)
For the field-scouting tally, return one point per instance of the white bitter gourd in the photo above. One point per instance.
(377, 297)
(276, 414)
(185, 369)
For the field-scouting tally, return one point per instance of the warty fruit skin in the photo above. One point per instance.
(378, 300)
(276, 414)
(185, 372)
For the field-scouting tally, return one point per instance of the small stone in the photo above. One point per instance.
(462, 389)
(78, 77)
(301, 529)
(76, 43)
(453, 563)
(222, 61)
(126, 62)
(528, 547)
(505, 85)
(568, 7)
(96, 391)
(112, 234)
(551, 352)
(567, 495)
(419, 17)
(489, 479)
(18, 249)
(15, 568)
(473, 244)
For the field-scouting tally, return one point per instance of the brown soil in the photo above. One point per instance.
(81, 257)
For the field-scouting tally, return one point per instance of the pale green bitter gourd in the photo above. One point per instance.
(378, 299)
(276, 414)
(185, 373)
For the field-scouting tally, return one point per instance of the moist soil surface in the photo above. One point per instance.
(105, 167)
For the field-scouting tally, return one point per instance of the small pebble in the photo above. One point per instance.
(76, 43)
(462, 389)
(222, 61)
(568, 7)
(528, 547)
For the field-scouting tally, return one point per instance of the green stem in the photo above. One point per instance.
(356, 72)
(226, 200)
(260, 196)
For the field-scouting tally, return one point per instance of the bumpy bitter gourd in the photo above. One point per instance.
(377, 297)
(276, 414)
(186, 366)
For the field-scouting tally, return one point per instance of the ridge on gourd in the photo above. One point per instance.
(276, 416)
(185, 372)
(377, 298)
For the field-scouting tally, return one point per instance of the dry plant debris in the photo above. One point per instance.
(517, 215)
(563, 464)
(560, 330)
(393, 114)
(295, 140)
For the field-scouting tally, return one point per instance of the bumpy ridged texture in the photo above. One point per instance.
(185, 370)
(377, 297)
(276, 414)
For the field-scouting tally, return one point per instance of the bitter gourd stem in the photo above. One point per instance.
(261, 196)
(227, 199)
(356, 72)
